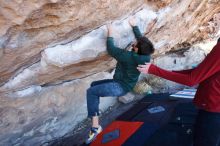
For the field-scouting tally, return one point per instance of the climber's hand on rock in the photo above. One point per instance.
(144, 68)
(132, 21)
(110, 29)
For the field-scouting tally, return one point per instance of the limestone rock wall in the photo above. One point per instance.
(50, 50)
(29, 27)
(39, 114)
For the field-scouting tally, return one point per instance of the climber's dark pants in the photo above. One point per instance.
(102, 88)
(207, 129)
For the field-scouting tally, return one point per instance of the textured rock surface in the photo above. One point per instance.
(51, 49)
(31, 37)
(36, 115)
(28, 27)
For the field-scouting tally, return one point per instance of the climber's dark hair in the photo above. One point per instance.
(218, 40)
(145, 46)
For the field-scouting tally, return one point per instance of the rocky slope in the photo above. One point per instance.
(50, 50)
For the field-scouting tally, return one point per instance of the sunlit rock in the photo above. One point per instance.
(51, 50)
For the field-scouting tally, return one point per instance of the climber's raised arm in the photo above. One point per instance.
(137, 32)
(132, 21)
(118, 53)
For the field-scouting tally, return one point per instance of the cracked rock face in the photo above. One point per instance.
(51, 50)
(39, 114)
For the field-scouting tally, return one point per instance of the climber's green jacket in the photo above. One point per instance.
(126, 72)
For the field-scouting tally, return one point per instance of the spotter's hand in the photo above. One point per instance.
(144, 68)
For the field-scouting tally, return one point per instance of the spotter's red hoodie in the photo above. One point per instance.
(207, 75)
